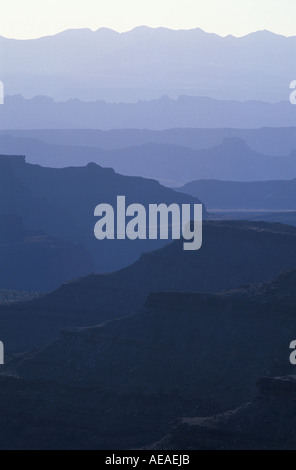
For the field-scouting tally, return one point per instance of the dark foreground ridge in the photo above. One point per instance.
(127, 380)
(265, 423)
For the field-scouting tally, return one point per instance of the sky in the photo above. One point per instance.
(26, 19)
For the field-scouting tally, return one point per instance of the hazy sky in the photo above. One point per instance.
(33, 18)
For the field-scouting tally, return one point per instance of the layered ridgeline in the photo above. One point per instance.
(269, 141)
(61, 202)
(121, 384)
(42, 112)
(233, 254)
(265, 423)
(258, 195)
(146, 63)
(173, 165)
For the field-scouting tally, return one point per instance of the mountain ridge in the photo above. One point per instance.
(133, 64)
(206, 361)
(272, 195)
(265, 423)
(268, 141)
(145, 28)
(47, 199)
(99, 298)
(173, 165)
(43, 112)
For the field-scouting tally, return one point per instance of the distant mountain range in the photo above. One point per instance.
(124, 344)
(172, 165)
(146, 63)
(42, 112)
(269, 141)
(268, 195)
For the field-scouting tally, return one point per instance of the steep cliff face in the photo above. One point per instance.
(268, 422)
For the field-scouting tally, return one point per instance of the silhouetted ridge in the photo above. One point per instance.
(160, 364)
(61, 202)
(265, 423)
(131, 66)
(13, 159)
(175, 163)
(232, 255)
(157, 114)
(274, 195)
(268, 141)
